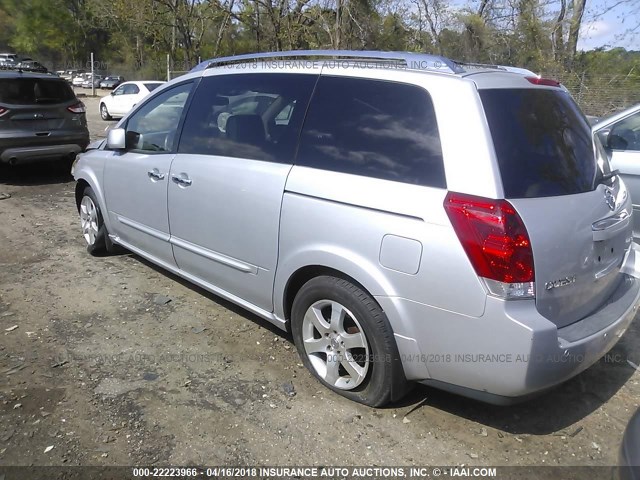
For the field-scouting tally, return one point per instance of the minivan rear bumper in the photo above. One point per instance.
(511, 352)
(35, 154)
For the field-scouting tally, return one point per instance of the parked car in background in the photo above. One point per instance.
(433, 224)
(32, 66)
(92, 81)
(630, 450)
(79, 79)
(69, 75)
(110, 82)
(121, 100)
(9, 58)
(620, 135)
(40, 118)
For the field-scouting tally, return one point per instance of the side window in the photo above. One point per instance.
(119, 90)
(237, 116)
(625, 135)
(153, 127)
(131, 89)
(285, 114)
(373, 128)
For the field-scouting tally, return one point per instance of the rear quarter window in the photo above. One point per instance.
(542, 141)
(34, 91)
(152, 86)
(373, 128)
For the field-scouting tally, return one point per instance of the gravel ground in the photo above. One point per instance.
(112, 361)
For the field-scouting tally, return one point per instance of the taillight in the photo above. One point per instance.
(3, 111)
(77, 108)
(543, 81)
(496, 242)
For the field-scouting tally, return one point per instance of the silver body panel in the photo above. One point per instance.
(243, 228)
(627, 162)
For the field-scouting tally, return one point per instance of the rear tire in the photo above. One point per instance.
(345, 340)
(104, 113)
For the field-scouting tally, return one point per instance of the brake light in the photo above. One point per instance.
(496, 242)
(3, 111)
(543, 81)
(77, 108)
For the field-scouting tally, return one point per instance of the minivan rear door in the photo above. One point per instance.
(578, 217)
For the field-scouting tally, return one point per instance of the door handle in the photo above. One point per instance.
(181, 180)
(155, 174)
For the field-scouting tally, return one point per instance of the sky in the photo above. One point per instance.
(610, 29)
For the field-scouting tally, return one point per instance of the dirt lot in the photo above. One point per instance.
(106, 372)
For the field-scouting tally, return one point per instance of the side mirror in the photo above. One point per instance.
(113, 92)
(116, 139)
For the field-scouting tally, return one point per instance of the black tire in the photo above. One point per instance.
(104, 113)
(385, 380)
(99, 246)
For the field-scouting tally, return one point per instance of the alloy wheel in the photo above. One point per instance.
(335, 344)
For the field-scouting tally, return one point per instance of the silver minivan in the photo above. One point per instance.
(407, 219)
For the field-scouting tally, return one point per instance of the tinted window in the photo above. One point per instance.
(625, 135)
(151, 86)
(373, 128)
(239, 116)
(34, 91)
(542, 141)
(131, 89)
(153, 127)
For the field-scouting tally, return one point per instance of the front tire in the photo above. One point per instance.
(345, 340)
(104, 113)
(94, 230)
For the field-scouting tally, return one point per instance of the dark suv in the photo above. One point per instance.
(40, 118)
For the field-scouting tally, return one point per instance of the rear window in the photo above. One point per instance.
(542, 141)
(34, 91)
(152, 86)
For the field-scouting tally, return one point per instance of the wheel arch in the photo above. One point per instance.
(306, 273)
(86, 179)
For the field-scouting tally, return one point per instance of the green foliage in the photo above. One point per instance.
(133, 37)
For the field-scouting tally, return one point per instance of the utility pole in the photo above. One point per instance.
(93, 80)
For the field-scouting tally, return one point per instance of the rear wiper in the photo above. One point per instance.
(610, 175)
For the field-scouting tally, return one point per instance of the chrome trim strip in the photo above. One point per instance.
(216, 257)
(143, 228)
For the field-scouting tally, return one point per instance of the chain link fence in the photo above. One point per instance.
(601, 95)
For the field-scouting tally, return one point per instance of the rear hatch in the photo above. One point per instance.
(576, 214)
(39, 107)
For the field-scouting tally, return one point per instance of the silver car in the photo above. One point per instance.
(407, 219)
(620, 134)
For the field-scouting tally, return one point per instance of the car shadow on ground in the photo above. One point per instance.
(213, 297)
(557, 411)
(40, 173)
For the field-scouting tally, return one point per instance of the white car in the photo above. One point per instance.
(78, 80)
(121, 100)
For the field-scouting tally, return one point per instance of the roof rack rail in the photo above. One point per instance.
(410, 60)
(504, 68)
(15, 68)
